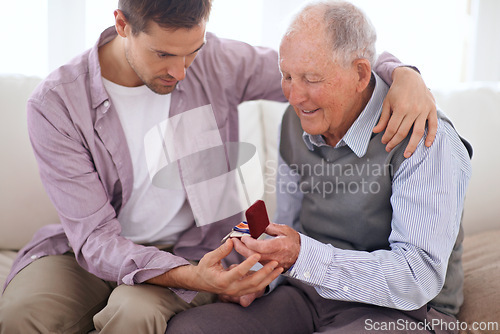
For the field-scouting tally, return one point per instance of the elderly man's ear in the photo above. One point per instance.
(364, 70)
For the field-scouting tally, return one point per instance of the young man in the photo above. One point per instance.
(123, 257)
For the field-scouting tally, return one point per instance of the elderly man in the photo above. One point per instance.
(375, 240)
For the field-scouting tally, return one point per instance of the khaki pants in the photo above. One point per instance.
(55, 295)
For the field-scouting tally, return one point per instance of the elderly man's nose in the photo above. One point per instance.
(296, 95)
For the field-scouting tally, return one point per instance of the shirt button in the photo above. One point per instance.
(33, 257)
(345, 288)
(307, 274)
(106, 104)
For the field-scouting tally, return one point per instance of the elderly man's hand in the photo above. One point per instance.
(408, 103)
(284, 248)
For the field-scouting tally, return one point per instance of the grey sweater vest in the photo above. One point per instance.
(346, 200)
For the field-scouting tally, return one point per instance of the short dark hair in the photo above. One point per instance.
(169, 14)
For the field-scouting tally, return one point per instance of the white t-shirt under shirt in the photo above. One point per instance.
(152, 215)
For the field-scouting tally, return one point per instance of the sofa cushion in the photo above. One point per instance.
(24, 205)
(474, 110)
(272, 112)
(6, 259)
(481, 263)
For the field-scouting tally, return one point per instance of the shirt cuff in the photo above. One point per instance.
(157, 267)
(313, 262)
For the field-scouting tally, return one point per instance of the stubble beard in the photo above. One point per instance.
(158, 88)
(154, 87)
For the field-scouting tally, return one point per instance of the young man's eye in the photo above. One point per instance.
(162, 55)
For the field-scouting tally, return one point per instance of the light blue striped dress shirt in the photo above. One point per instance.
(427, 207)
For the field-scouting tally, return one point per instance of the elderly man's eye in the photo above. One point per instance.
(313, 80)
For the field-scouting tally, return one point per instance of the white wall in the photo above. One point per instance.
(433, 35)
(450, 41)
(24, 37)
(66, 38)
(484, 54)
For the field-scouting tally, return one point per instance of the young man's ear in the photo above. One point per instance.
(364, 71)
(121, 24)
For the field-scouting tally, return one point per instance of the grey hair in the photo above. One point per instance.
(351, 34)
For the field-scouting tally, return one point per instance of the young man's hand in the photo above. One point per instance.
(210, 275)
(408, 103)
(245, 300)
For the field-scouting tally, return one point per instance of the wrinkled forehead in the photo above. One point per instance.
(304, 50)
(306, 29)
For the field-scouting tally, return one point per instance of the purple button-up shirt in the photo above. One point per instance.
(86, 168)
(85, 163)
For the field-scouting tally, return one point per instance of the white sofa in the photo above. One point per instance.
(474, 108)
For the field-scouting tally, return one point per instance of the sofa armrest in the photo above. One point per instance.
(24, 205)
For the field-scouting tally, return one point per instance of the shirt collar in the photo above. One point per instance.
(359, 134)
(97, 91)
